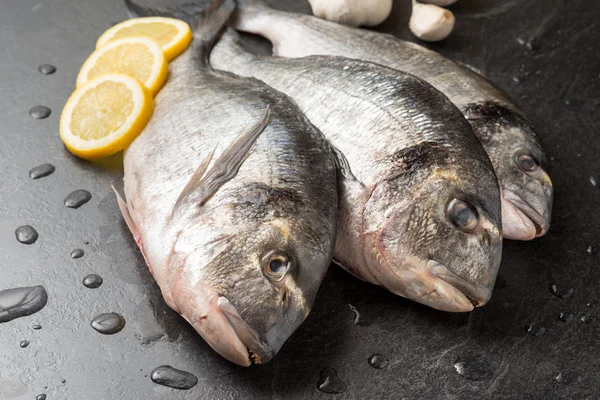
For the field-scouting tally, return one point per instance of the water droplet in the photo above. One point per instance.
(356, 314)
(329, 382)
(561, 292)
(573, 102)
(379, 361)
(566, 317)
(148, 329)
(24, 343)
(77, 253)
(593, 181)
(536, 330)
(530, 43)
(92, 281)
(37, 327)
(41, 171)
(174, 378)
(20, 302)
(587, 319)
(559, 377)
(567, 378)
(40, 397)
(522, 77)
(40, 112)
(26, 234)
(77, 198)
(47, 69)
(63, 381)
(473, 367)
(109, 323)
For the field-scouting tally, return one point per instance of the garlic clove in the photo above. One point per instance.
(376, 12)
(443, 3)
(352, 12)
(431, 23)
(331, 10)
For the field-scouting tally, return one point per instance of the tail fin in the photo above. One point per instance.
(231, 39)
(255, 5)
(206, 19)
(230, 55)
(251, 16)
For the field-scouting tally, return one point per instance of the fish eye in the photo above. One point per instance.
(527, 163)
(463, 215)
(276, 265)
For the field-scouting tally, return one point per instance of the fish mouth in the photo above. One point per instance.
(222, 327)
(520, 221)
(257, 351)
(460, 294)
(428, 282)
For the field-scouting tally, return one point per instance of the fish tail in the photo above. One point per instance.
(206, 19)
(253, 5)
(230, 48)
(253, 16)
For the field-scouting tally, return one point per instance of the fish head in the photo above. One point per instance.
(527, 190)
(441, 244)
(247, 288)
(520, 163)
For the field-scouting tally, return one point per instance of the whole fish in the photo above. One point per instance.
(231, 198)
(509, 139)
(419, 200)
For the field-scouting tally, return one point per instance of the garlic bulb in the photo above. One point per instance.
(352, 12)
(443, 3)
(430, 22)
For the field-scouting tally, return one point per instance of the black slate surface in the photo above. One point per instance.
(555, 78)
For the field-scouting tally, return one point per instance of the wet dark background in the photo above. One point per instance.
(553, 73)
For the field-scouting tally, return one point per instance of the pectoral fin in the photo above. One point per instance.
(342, 166)
(206, 182)
(195, 179)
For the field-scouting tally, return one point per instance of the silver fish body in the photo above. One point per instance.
(509, 139)
(419, 201)
(231, 198)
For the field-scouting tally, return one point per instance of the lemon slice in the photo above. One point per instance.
(140, 57)
(105, 115)
(173, 35)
